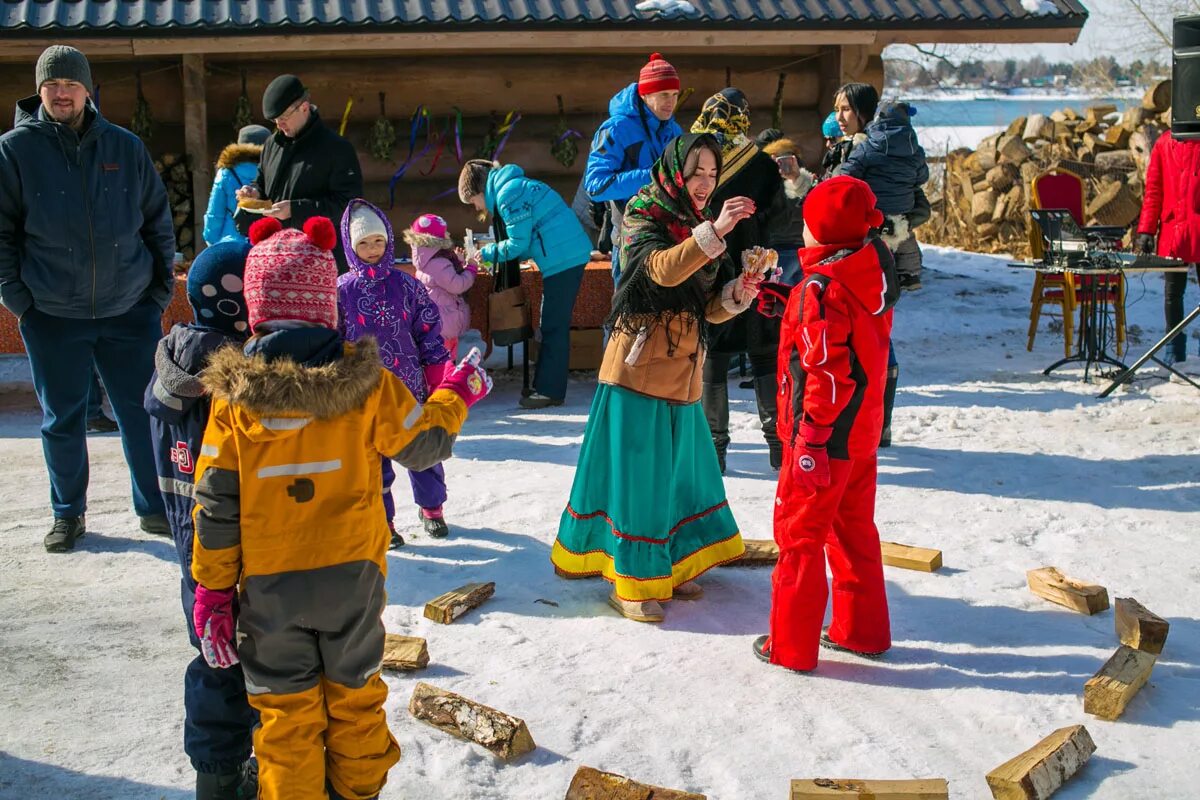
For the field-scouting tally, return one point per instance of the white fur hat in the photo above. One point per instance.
(365, 222)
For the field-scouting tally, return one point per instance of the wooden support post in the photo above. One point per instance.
(1140, 628)
(592, 784)
(506, 736)
(759, 552)
(1049, 583)
(1108, 691)
(1041, 770)
(921, 559)
(195, 138)
(452, 605)
(844, 788)
(404, 652)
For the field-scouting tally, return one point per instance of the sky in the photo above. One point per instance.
(1105, 16)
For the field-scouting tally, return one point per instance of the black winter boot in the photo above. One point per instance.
(765, 389)
(715, 399)
(240, 785)
(889, 400)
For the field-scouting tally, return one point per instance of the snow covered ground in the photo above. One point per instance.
(1000, 467)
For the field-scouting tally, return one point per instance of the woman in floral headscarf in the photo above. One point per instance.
(748, 172)
(647, 509)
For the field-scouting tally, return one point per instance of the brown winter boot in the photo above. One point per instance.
(638, 611)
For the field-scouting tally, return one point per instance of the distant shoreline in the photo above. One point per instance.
(1069, 94)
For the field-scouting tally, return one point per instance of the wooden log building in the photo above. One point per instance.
(190, 59)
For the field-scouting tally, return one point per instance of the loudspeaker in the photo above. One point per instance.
(1185, 78)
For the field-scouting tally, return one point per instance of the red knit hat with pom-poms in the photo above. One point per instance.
(657, 76)
(291, 274)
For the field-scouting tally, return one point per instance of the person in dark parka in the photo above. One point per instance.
(306, 168)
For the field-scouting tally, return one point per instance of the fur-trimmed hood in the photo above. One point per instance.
(283, 387)
(414, 239)
(782, 147)
(235, 154)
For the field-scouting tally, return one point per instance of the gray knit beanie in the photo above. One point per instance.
(62, 62)
(473, 178)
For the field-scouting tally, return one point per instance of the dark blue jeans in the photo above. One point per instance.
(61, 354)
(95, 408)
(558, 305)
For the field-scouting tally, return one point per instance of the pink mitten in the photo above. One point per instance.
(468, 380)
(472, 268)
(213, 617)
(436, 373)
(812, 460)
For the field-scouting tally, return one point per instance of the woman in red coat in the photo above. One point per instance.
(1171, 213)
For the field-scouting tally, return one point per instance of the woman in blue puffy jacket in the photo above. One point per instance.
(533, 222)
(236, 167)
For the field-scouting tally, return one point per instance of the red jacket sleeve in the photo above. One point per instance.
(824, 346)
(1152, 197)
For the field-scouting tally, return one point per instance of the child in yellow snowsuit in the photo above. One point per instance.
(289, 514)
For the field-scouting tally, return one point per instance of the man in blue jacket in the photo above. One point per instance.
(640, 125)
(86, 251)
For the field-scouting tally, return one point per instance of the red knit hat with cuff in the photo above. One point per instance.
(291, 274)
(657, 76)
(841, 210)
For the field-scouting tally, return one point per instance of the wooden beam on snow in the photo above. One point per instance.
(405, 653)
(1139, 627)
(1052, 585)
(921, 559)
(592, 784)
(847, 788)
(504, 735)
(1108, 691)
(452, 605)
(1041, 770)
(759, 552)
(195, 139)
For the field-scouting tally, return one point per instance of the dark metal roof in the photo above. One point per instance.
(229, 16)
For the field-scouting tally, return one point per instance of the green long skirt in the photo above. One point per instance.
(647, 509)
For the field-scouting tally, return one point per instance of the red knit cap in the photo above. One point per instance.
(657, 76)
(291, 274)
(841, 210)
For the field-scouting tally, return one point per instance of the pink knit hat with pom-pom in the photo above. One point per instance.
(429, 230)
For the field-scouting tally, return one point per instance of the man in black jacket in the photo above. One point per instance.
(86, 251)
(306, 168)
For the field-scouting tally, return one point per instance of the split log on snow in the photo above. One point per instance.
(1040, 771)
(1117, 136)
(1139, 627)
(1158, 97)
(983, 204)
(922, 559)
(1016, 127)
(404, 652)
(1108, 691)
(1141, 143)
(1052, 585)
(452, 605)
(759, 552)
(1114, 204)
(504, 735)
(1038, 126)
(1002, 176)
(592, 784)
(846, 788)
(1115, 161)
(1013, 150)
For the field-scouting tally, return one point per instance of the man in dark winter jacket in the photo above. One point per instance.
(306, 168)
(86, 251)
(219, 721)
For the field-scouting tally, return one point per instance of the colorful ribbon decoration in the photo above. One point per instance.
(506, 128)
(346, 116)
(420, 117)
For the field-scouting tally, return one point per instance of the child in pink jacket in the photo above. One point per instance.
(443, 273)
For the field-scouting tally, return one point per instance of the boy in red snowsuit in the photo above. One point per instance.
(833, 353)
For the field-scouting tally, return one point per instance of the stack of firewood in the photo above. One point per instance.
(981, 198)
(173, 169)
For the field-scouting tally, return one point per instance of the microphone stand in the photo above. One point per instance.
(1149, 356)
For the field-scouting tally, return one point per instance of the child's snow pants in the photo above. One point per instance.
(311, 644)
(839, 522)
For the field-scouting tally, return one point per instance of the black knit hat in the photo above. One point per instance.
(253, 134)
(61, 62)
(280, 94)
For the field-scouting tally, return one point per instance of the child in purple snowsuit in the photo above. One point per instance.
(443, 274)
(376, 299)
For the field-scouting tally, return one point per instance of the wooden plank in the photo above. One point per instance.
(195, 137)
(452, 605)
(1108, 691)
(759, 553)
(1052, 585)
(504, 735)
(592, 784)
(824, 788)
(922, 559)
(404, 652)
(1139, 627)
(1041, 770)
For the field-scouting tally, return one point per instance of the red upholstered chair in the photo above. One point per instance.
(1062, 189)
